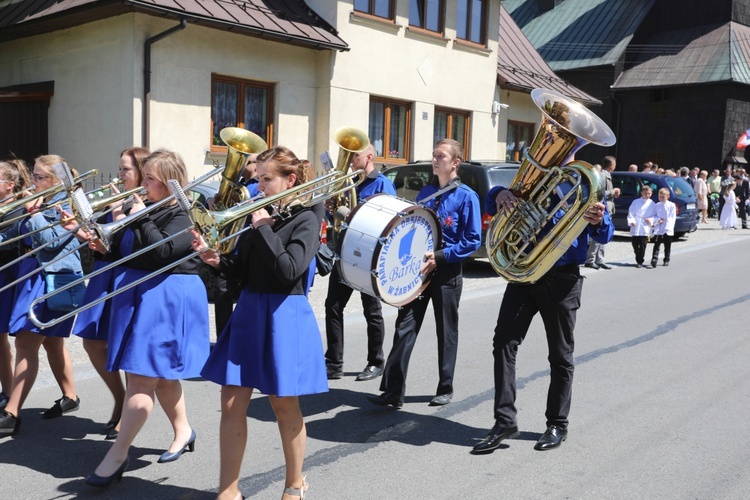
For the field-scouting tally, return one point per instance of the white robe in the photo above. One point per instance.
(728, 218)
(667, 213)
(641, 213)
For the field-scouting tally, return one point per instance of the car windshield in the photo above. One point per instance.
(502, 176)
(680, 187)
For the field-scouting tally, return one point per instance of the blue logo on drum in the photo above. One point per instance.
(404, 248)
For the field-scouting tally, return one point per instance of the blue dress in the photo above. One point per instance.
(272, 342)
(7, 297)
(158, 328)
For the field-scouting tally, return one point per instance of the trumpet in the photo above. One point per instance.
(308, 194)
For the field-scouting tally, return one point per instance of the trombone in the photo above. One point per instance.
(100, 231)
(328, 184)
(9, 207)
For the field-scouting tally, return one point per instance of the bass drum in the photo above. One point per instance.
(382, 246)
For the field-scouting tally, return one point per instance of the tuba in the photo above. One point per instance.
(350, 140)
(240, 143)
(520, 244)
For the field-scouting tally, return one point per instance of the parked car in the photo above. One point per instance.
(680, 193)
(479, 176)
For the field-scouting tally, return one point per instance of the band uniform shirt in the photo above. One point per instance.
(374, 183)
(460, 221)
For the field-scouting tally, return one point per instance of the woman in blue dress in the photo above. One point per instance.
(29, 338)
(158, 330)
(92, 325)
(14, 179)
(279, 352)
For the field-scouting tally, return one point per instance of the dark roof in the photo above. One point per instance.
(581, 33)
(520, 67)
(705, 54)
(290, 21)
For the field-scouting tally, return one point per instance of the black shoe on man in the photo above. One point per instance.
(334, 373)
(590, 265)
(497, 434)
(387, 399)
(552, 438)
(605, 266)
(441, 399)
(370, 372)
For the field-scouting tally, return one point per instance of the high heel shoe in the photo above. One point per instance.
(103, 482)
(297, 492)
(171, 457)
(109, 426)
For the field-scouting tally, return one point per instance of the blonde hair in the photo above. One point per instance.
(167, 165)
(664, 191)
(17, 172)
(46, 162)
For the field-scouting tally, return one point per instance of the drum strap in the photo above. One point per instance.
(454, 183)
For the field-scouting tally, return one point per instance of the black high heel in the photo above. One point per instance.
(103, 482)
(171, 457)
(109, 426)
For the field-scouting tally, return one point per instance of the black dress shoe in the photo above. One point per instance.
(592, 266)
(370, 372)
(103, 482)
(666, 263)
(552, 438)
(494, 438)
(112, 435)
(62, 406)
(334, 373)
(605, 266)
(387, 399)
(653, 263)
(638, 266)
(441, 399)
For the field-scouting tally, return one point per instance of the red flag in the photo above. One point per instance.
(744, 140)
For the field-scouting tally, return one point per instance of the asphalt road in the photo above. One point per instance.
(659, 409)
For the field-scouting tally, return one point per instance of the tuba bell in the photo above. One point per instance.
(520, 245)
(350, 140)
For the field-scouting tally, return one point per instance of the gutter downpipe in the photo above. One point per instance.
(147, 78)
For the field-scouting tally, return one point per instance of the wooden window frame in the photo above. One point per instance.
(469, 16)
(242, 83)
(452, 113)
(371, 10)
(518, 125)
(441, 19)
(387, 104)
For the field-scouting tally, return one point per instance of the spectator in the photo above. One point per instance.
(714, 192)
(728, 218)
(741, 192)
(595, 254)
(701, 191)
(633, 168)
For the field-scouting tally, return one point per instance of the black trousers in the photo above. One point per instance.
(639, 247)
(338, 296)
(445, 292)
(557, 297)
(667, 240)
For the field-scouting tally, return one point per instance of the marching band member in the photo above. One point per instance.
(339, 292)
(30, 338)
(14, 179)
(158, 330)
(460, 217)
(279, 352)
(92, 325)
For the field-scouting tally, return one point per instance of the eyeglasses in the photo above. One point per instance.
(40, 178)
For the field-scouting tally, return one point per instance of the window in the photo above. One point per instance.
(471, 21)
(390, 122)
(380, 8)
(451, 124)
(241, 103)
(427, 14)
(519, 137)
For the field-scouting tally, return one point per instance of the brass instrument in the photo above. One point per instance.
(240, 143)
(13, 205)
(308, 194)
(350, 140)
(518, 245)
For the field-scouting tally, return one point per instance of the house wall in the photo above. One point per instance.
(91, 115)
(97, 68)
(389, 60)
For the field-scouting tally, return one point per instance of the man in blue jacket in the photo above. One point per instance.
(557, 297)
